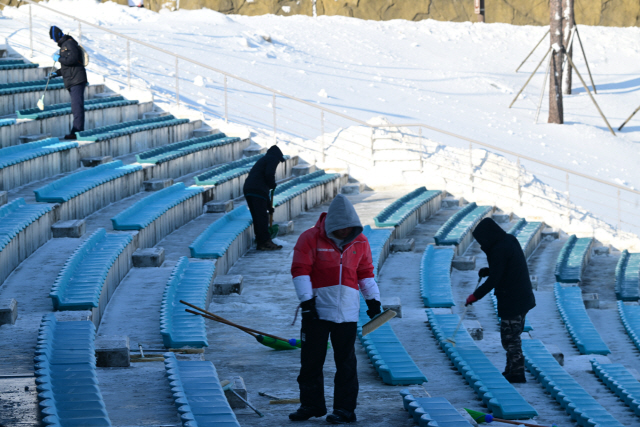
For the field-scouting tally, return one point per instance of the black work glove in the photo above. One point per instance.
(375, 308)
(309, 311)
(271, 209)
(483, 272)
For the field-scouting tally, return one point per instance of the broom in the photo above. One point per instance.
(378, 321)
(273, 229)
(452, 340)
(481, 417)
(272, 341)
(40, 103)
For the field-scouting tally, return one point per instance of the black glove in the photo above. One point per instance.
(483, 272)
(271, 209)
(309, 311)
(374, 308)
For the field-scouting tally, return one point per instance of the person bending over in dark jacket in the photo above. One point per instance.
(262, 179)
(73, 73)
(508, 274)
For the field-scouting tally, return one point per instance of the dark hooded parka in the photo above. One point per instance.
(71, 60)
(262, 176)
(508, 271)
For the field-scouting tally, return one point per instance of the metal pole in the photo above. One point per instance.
(529, 79)
(584, 55)
(421, 147)
(275, 128)
(226, 102)
(30, 33)
(568, 199)
(373, 162)
(542, 91)
(591, 96)
(128, 64)
(177, 84)
(626, 121)
(471, 166)
(531, 53)
(619, 212)
(519, 183)
(322, 135)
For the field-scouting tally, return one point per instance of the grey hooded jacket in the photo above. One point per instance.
(341, 215)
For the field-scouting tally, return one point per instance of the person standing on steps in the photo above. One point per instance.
(72, 70)
(508, 274)
(331, 265)
(257, 186)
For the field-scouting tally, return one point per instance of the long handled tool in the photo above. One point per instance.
(273, 229)
(272, 341)
(40, 103)
(481, 417)
(226, 385)
(378, 321)
(452, 339)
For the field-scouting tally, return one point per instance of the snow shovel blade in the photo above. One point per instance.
(276, 344)
(40, 103)
(378, 321)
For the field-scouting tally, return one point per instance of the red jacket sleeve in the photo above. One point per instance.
(304, 254)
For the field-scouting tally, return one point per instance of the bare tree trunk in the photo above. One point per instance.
(555, 82)
(569, 23)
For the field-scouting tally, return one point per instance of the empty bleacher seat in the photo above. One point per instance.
(411, 208)
(190, 281)
(127, 128)
(31, 86)
(630, 318)
(457, 230)
(579, 404)
(620, 381)
(528, 235)
(573, 259)
(65, 369)
(7, 122)
(379, 242)
(432, 411)
(11, 65)
(219, 236)
(65, 108)
(182, 148)
(575, 318)
(299, 185)
(628, 277)
(197, 393)
(435, 277)
(496, 392)
(80, 283)
(226, 172)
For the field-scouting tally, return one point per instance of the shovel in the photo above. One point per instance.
(273, 229)
(40, 103)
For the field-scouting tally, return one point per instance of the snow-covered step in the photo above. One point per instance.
(628, 277)
(573, 259)
(85, 192)
(435, 277)
(457, 230)
(425, 410)
(529, 235)
(409, 210)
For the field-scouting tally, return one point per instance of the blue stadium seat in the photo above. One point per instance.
(127, 128)
(432, 411)
(630, 317)
(31, 86)
(15, 216)
(620, 381)
(65, 108)
(218, 237)
(182, 148)
(573, 259)
(379, 239)
(398, 211)
(628, 277)
(494, 301)
(435, 277)
(460, 224)
(20, 153)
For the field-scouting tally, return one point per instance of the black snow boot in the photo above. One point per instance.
(71, 136)
(340, 416)
(305, 412)
(516, 378)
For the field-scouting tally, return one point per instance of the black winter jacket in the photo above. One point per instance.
(262, 176)
(72, 63)
(508, 271)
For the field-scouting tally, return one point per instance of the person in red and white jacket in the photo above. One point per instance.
(331, 266)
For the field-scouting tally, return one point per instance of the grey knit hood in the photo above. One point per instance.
(342, 215)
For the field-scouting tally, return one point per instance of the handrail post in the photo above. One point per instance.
(619, 212)
(275, 128)
(420, 152)
(177, 84)
(128, 65)
(322, 135)
(568, 199)
(30, 33)
(226, 105)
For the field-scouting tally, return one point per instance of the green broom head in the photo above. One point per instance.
(278, 344)
(479, 417)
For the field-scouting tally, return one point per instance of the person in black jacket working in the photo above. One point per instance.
(262, 179)
(74, 74)
(508, 274)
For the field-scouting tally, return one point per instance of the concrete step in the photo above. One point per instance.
(13, 102)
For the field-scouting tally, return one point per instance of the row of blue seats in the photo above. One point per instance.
(460, 224)
(15, 216)
(628, 277)
(197, 393)
(15, 65)
(7, 122)
(526, 233)
(378, 240)
(432, 411)
(630, 318)
(127, 128)
(579, 404)
(147, 210)
(578, 323)
(79, 284)
(620, 381)
(228, 171)
(10, 156)
(435, 277)
(5, 61)
(300, 185)
(399, 210)
(494, 301)
(573, 259)
(31, 86)
(65, 108)
(65, 369)
(218, 237)
(182, 148)
(77, 183)
(190, 281)
(490, 385)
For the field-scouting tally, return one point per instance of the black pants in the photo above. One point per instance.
(260, 214)
(510, 331)
(77, 107)
(314, 337)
